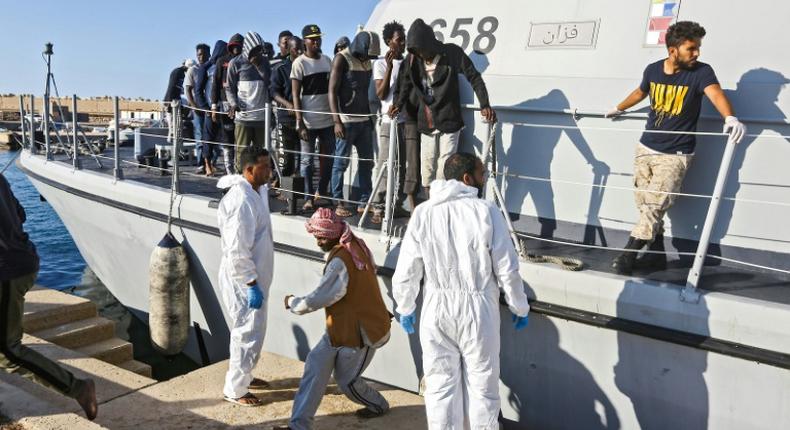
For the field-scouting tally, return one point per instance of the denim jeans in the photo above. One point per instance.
(326, 146)
(358, 135)
(198, 118)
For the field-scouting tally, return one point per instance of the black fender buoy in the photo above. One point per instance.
(168, 300)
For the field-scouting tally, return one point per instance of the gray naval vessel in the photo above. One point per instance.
(689, 347)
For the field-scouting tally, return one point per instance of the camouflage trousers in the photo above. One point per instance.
(656, 174)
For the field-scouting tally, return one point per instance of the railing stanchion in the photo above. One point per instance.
(386, 223)
(176, 148)
(75, 132)
(22, 121)
(117, 172)
(690, 292)
(32, 128)
(45, 125)
(373, 194)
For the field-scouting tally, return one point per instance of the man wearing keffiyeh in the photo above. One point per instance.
(357, 322)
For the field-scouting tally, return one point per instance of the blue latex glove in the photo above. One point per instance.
(254, 296)
(520, 323)
(407, 322)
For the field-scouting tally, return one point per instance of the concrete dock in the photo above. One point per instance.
(129, 400)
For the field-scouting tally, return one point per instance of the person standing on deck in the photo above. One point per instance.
(245, 271)
(357, 322)
(197, 100)
(349, 81)
(282, 93)
(282, 46)
(433, 75)
(462, 270)
(385, 75)
(310, 88)
(18, 269)
(675, 85)
(248, 81)
(220, 106)
(211, 129)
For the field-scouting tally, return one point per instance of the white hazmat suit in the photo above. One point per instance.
(247, 255)
(459, 244)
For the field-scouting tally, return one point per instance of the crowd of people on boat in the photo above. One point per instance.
(325, 106)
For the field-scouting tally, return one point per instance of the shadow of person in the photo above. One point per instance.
(302, 344)
(664, 381)
(755, 96)
(414, 338)
(469, 140)
(531, 153)
(548, 388)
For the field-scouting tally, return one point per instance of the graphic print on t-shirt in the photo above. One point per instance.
(666, 100)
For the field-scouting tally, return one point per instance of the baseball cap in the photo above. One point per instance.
(311, 31)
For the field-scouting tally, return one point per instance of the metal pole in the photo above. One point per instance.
(513, 236)
(32, 110)
(176, 148)
(690, 292)
(45, 127)
(386, 224)
(376, 185)
(74, 131)
(22, 121)
(118, 173)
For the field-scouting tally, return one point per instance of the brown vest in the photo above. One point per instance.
(361, 307)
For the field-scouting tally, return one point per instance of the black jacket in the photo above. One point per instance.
(175, 87)
(439, 103)
(281, 85)
(17, 253)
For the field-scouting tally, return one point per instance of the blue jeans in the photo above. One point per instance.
(358, 135)
(197, 120)
(326, 146)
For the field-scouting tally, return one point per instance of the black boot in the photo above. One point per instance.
(624, 263)
(653, 261)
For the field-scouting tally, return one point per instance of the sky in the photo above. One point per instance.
(128, 49)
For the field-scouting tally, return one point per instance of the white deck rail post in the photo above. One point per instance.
(176, 148)
(690, 292)
(117, 172)
(22, 121)
(74, 131)
(386, 224)
(45, 127)
(32, 129)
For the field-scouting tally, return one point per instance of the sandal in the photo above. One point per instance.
(308, 206)
(248, 400)
(258, 384)
(343, 212)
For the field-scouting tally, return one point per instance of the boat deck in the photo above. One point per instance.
(717, 277)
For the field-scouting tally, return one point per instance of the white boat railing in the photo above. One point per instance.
(689, 293)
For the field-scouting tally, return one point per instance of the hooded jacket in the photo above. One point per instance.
(352, 95)
(248, 85)
(439, 102)
(204, 81)
(218, 93)
(17, 253)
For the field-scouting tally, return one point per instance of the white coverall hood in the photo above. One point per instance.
(247, 255)
(460, 245)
